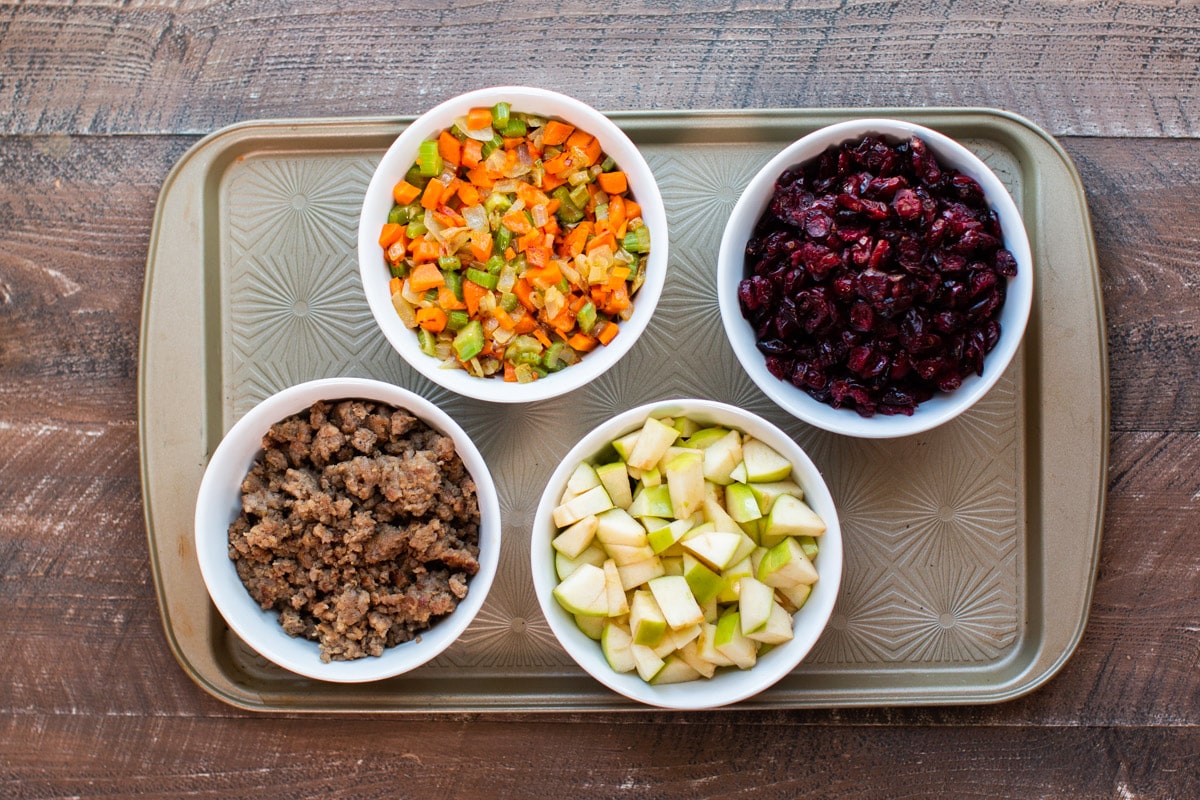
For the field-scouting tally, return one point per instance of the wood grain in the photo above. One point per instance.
(1114, 69)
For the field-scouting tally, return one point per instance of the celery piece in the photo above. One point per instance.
(586, 318)
(500, 114)
(524, 350)
(427, 341)
(398, 215)
(414, 176)
(608, 165)
(508, 301)
(552, 358)
(502, 239)
(449, 262)
(494, 264)
(491, 146)
(515, 128)
(398, 270)
(580, 195)
(416, 228)
(468, 343)
(497, 201)
(454, 282)
(457, 319)
(637, 241)
(484, 279)
(568, 212)
(429, 160)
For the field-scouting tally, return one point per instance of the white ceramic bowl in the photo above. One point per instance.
(378, 202)
(943, 406)
(729, 685)
(219, 503)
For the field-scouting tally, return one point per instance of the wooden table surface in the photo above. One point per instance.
(99, 99)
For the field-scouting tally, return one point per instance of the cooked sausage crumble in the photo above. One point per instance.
(359, 525)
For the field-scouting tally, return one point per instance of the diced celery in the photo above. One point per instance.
(398, 215)
(586, 318)
(429, 160)
(449, 262)
(427, 341)
(457, 319)
(485, 279)
(500, 114)
(468, 343)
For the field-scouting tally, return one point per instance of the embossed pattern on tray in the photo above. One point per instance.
(933, 560)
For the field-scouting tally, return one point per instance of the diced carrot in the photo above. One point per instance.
(395, 285)
(581, 342)
(449, 148)
(546, 276)
(613, 182)
(432, 319)
(632, 209)
(479, 118)
(541, 336)
(472, 294)
(404, 193)
(510, 372)
(617, 277)
(449, 217)
(616, 212)
(559, 165)
(448, 301)
(532, 195)
(550, 182)
(472, 153)
(527, 323)
(512, 142)
(605, 238)
(431, 198)
(425, 250)
(425, 277)
(608, 332)
(618, 300)
(481, 245)
(580, 139)
(537, 255)
(576, 238)
(555, 132)
(390, 234)
(524, 292)
(479, 176)
(468, 194)
(504, 318)
(592, 151)
(517, 222)
(509, 253)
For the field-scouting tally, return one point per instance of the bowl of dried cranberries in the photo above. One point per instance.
(875, 278)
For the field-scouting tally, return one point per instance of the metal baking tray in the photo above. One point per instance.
(971, 551)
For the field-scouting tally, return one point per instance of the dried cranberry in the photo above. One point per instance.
(876, 277)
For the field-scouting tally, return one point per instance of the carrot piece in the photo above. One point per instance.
(618, 300)
(481, 245)
(605, 238)
(479, 176)
(576, 238)
(616, 212)
(426, 276)
(592, 152)
(510, 372)
(472, 153)
(431, 198)
(616, 278)
(504, 318)
(527, 323)
(425, 250)
(613, 182)
(448, 301)
(517, 222)
(537, 255)
(472, 294)
(551, 182)
(449, 148)
(546, 276)
(404, 193)
(581, 342)
(532, 195)
(390, 234)
(632, 209)
(555, 132)
(580, 139)
(541, 336)
(479, 118)
(468, 194)
(608, 332)
(395, 285)
(432, 319)
(524, 292)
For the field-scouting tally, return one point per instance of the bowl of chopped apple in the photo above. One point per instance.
(687, 554)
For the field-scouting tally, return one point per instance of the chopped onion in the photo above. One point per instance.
(476, 217)
(483, 134)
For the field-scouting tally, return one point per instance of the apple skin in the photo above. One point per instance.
(583, 592)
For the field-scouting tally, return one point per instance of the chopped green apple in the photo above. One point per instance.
(673, 565)
(767, 493)
(646, 661)
(741, 503)
(582, 478)
(707, 644)
(618, 603)
(763, 462)
(714, 509)
(616, 643)
(652, 501)
(624, 445)
(690, 653)
(616, 527)
(576, 538)
(685, 482)
(777, 629)
(674, 670)
(593, 501)
(675, 599)
(722, 457)
(646, 621)
(640, 572)
(626, 554)
(653, 440)
(733, 575)
(730, 642)
(661, 539)
(795, 596)
(714, 548)
(592, 554)
(704, 437)
(583, 592)
(786, 565)
(592, 627)
(755, 599)
(615, 479)
(686, 426)
(790, 516)
(704, 582)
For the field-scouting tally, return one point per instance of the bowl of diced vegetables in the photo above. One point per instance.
(512, 244)
(687, 554)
